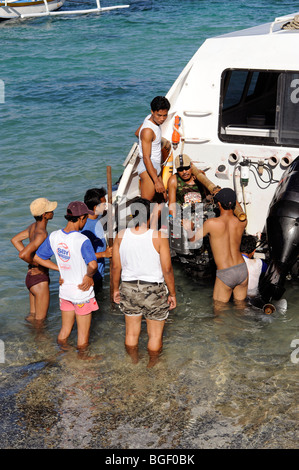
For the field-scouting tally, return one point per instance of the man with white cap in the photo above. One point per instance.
(77, 263)
(37, 279)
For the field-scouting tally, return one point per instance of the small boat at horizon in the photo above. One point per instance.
(10, 9)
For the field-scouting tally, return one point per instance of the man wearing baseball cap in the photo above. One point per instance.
(225, 234)
(77, 263)
(183, 187)
(37, 279)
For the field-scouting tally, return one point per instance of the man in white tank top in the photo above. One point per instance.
(149, 134)
(141, 262)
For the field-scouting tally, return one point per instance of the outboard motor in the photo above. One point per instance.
(282, 228)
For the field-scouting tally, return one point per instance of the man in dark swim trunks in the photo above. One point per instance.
(225, 234)
(37, 279)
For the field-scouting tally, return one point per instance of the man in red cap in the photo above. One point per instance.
(77, 263)
(225, 234)
(37, 279)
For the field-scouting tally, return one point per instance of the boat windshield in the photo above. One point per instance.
(259, 107)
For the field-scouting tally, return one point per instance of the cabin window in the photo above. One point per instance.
(259, 107)
(287, 116)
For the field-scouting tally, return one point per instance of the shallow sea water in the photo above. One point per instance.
(76, 89)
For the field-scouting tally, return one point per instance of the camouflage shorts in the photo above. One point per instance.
(149, 300)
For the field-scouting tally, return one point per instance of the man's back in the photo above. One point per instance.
(225, 234)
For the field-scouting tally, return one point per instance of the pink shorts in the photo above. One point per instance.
(80, 309)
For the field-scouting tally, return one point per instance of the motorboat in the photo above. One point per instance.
(35, 8)
(237, 104)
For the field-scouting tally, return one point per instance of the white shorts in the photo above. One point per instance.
(141, 167)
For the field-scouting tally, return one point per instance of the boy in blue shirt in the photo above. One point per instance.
(95, 199)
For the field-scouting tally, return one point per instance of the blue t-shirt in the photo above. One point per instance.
(93, 229)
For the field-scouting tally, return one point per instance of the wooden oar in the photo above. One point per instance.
(110, 227)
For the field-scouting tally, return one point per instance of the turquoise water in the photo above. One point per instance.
(76, 89)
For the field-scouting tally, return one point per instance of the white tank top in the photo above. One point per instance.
(254, 266)
(139, 258)
(156, 144)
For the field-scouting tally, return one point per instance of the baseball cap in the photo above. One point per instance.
(41, 205)
(182, 160)
(77, 208)
(226, 196)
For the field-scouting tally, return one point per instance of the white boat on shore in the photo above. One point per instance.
(238, 104)
(33, 8)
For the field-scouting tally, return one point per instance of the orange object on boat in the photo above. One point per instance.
(175, 139)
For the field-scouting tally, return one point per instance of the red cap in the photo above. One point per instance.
(77, 208)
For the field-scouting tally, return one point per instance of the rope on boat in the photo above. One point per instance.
(294, 24)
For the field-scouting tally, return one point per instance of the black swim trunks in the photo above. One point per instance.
(32, 280)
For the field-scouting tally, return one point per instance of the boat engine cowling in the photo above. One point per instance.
(282, 229)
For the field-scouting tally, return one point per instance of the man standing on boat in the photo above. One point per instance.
(150, 138)
(142, 263)
(225, 235)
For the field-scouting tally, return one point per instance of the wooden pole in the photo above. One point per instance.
(110, 227)
(213, 189)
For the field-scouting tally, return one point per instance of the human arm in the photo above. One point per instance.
(105, 254)
(47, 263)
(18, 239)
(89, 257)
(28, 253)
(194, 236)
(167, 269)
(88, 281)
(116, 269)
(43, 255)
(138, 130)
(172, 187)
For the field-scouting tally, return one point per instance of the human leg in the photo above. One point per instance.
(31, 315)
(221, 293)
(155, 330)
(147, 186)
(67, 323)
(133, 329)
(83, 329)
(240, 291)
(41, 295)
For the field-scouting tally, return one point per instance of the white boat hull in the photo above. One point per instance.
(19, 8)
(219, 147)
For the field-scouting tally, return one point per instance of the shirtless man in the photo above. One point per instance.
(225, 234)
(149, 134)
(37, 279)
